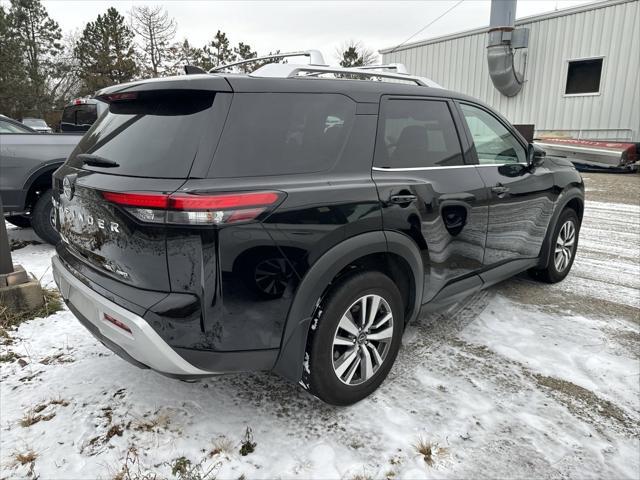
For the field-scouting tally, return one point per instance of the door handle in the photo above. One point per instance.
(499, 189)
(400, 199)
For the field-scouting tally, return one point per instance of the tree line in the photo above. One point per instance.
(42, 69)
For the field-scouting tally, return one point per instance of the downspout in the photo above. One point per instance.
(504, 38)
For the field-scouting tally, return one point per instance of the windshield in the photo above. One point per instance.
(158, 134)
(8, 127)
(35, 122)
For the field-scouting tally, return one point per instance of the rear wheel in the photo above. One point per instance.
(19, 221)
(356, 339)
(43, 218)
(564, 244)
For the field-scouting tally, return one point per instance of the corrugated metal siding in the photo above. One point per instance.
(612, 32)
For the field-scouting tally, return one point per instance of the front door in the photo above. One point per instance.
(522, 198)
(427, 190)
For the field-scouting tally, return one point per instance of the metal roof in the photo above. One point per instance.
(522, 21)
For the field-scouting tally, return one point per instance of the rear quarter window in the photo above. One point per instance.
(283, 133)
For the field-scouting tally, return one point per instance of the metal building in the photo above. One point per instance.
(581, 70)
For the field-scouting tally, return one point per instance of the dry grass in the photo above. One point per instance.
(12, 318)
(27, 458)
(222, 445)
(32, 417)
(24, 458)
(160, 421)
(430, 451)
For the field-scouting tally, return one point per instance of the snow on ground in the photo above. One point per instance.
(523, 380)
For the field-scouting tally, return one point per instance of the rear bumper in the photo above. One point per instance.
(142, 346)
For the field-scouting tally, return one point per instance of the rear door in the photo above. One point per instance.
(428, 191)
(146, 144)
(522, 199)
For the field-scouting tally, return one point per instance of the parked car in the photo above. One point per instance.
(38, 124)
(80, 114)
(27, 160)
(9, 125)
(216, 223)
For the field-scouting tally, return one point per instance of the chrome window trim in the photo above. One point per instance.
(410, 169)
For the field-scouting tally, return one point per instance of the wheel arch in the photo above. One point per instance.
(39, 179)
(572, 198)
(403, 257)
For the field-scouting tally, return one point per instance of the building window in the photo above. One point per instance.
(583, 76)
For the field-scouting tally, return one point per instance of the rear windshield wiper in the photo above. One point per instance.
(96, 161)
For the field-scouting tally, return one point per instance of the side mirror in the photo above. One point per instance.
(535, 155)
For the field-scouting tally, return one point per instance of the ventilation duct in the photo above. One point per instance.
(504, 38)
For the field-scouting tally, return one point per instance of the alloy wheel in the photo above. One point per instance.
(565, 244)
(362, 339)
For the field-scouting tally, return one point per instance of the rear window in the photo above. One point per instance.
(156, 135)
(283, 133)
(84, 114)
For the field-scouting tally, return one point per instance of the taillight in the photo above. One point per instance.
(196, 209)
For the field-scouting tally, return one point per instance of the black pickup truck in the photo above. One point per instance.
(27, 161)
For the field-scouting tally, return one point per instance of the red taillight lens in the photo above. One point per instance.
(222, 202)
(195, 209)
(137, 199)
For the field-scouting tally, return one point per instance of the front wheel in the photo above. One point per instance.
(355, 340)
(564, 244)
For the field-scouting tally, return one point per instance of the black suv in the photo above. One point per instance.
(216, 223)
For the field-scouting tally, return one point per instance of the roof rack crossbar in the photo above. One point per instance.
(315, 58)
(286, 70)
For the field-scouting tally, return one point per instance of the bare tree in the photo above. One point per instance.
(355, 54)
(156, 29)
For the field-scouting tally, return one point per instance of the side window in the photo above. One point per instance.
(417, 133)
(283, 133)
(494, 143)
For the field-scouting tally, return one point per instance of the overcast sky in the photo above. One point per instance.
(298, 25)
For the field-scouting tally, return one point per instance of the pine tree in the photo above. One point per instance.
(105, 52)
(181, 54)
(218, 52)
(13, 74)
(354, 54)
(38, 37)
(244, 52)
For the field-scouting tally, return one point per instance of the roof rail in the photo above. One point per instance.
(287, 70)
(398, 67)
(315, 58)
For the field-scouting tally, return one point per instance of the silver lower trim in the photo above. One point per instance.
(143, 343)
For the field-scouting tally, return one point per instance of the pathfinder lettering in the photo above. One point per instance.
(89, 220)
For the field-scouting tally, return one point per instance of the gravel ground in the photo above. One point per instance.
(523, 380)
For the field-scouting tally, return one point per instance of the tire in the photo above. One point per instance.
(325, 361)
(560, 263)
(19, 221)
(41, 219)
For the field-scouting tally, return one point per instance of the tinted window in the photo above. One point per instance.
(417, 133)
(8, 127)
(69, 115)
(583, 76)
(156, 135)
(283, 133)
(86, 114)
(493, 142)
